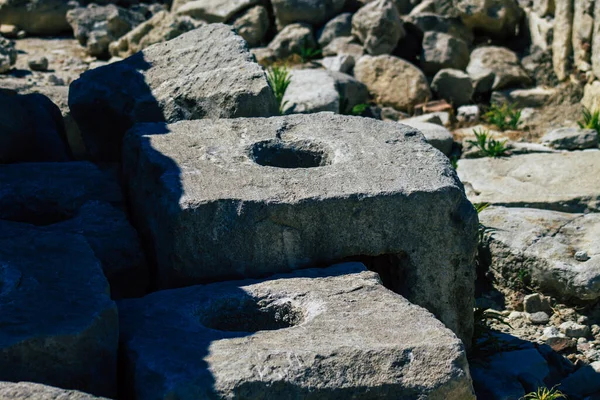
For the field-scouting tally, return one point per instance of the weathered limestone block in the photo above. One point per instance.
(29, 390)
(544, 243)
(333, 333)
(59, 325)
(562, 43)
(568, 182)
(230, 198)
(204, 73)
(79, 199)
(583, 26)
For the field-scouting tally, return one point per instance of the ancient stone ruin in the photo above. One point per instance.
(297, 199)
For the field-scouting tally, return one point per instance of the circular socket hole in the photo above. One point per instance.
(251, 315)
(301, 154)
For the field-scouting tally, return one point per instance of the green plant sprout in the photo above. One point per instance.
(590, 120)
(504, 116)
(488, 146)
(545, 394)
(279, 78)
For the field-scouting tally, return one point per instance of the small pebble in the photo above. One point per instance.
(582, 256)
(38, 63)
(574, 330)
(539, 318)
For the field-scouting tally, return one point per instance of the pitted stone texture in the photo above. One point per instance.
(204, 73)
(314, 12)
(36, 391)
(341, 335)
(212, 10)
(79, 199)
(544, 242)
(212, 213)
(568, 182)
(59, 326)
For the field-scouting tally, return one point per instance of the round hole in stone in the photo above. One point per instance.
(247, 314)
(280, 154)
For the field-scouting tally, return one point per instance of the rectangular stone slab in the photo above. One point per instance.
(567, 182)
(58, 324)
(212, 212)
(326, 334)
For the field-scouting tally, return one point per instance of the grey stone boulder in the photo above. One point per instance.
(59, 325)
(204, 73)
(59, 95)
(544, 242)
(8, 55)
(339, 26)
(591, 96)
(95, 27)
(38, 63)
(495, 68)
(392, 81)
(77, 198)
(454, 86)
(313, 12)
(31, 129)
(583, 382)
(571, 138)
(220, 199)
(441, 50)
(280, 339)
(253, 25)
(432, 22)
(378, 27)
(37, 17)
(212, 11)
(340, 63)
(163, 26)
(315, 90)
(345, 45)
(521, 98)
(497, 18)
(436, 135)
(30, 390)
(568, 182)
(292, 39)
(595, 50)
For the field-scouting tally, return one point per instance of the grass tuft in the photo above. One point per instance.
(545, 394)
(309, 53)
(279, 78)
(504, 116)
(590, 120)
(488, 146)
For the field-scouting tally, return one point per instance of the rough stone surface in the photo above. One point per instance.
(95, 27)
(495, 68)
(219, 199)
(431, 22)
(336, 27)
(591, 96)
(541, 31)
(536, 302)
(573, 329)
(37, 17)
(77, 198)
(562, 43)
(583, 28)
(346, 45)
(454, 86)
(163, 26)
(243, 351)
(393, 81)
(583, 382)
(318, 90)
(378, 27)
(253, 25)
(59, 326)
(292, 39)
(204, 73)
(441, 50)
(571, 138)
(539, 318)
(29, 390)
(314, 12)
(8, 55)
(212, 11)
(568, 182)
(543, 242)
(436, 135)
(31, 129)
(499, 18)
(38, 63)
(340, 63)
(521, 98)
(596, 40)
